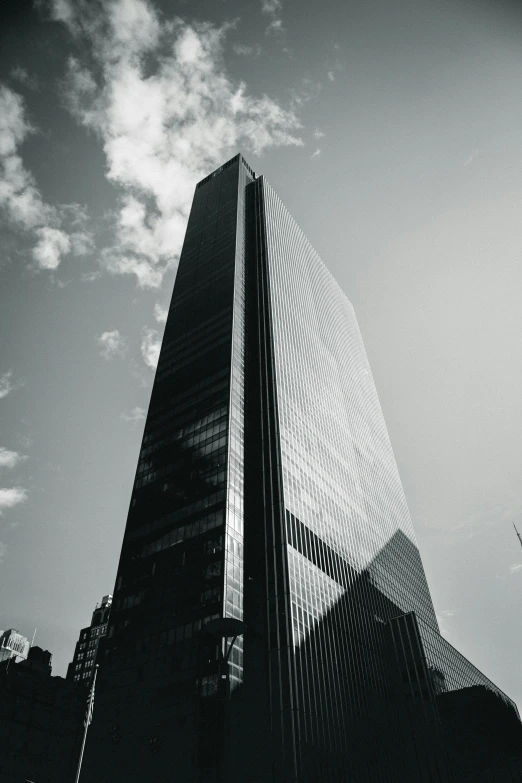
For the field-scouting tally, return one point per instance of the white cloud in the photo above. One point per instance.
(13, 125)
(80, 236)
(11, 497)
(315, 154)
(3, 551)
(273, 9)
(308, 90)
(51, 246)
(21, 75)
(271, 6)
(81, 243)
(319, 134)
(160, 313)
(275, 26)
(331, 76)
(442, 618)
(5, 384)
(515, 568)
(150, 347)
(247, 51)
(9, 459)
(136, 414)
(63, 11)
(20, 199)
(148, 275)
(163, 126)
(112, 344)
(471, 157)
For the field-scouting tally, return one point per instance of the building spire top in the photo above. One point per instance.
(518, 534)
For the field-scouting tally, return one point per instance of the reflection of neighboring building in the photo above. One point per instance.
(81, 668)
(13, 645)
(41, 719)
(480, 729)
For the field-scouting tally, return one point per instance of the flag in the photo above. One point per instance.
(90, 702)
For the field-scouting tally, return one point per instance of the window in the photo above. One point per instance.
(214, 569)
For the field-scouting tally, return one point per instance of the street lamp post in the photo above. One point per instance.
(225, 628)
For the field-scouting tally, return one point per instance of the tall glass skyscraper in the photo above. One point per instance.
(267, 491)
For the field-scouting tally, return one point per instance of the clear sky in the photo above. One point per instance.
(391, 130)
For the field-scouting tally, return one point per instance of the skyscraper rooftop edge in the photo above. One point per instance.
(238, 158)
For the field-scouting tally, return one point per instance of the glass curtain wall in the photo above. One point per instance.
(181, 560)
(350, 561)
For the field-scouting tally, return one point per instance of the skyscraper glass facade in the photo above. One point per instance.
(266, 491)
(340, 479)
(346, 523)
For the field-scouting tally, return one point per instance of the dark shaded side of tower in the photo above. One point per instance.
(267, 491)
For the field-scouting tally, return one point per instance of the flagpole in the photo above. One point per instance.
(88, 719)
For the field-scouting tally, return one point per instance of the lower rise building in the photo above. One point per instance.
(13, 645)
(81, 668)
(41, 722)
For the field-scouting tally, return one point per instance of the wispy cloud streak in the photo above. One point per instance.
(10, 459)
(6, 384)
(167, 112)
(112, 344)
(150, 347)
(273, 9)
(11, 497)
(160, 313)
(136, 414)
(20, 199)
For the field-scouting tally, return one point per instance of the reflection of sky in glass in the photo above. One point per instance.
(339, 473)
(234, 563)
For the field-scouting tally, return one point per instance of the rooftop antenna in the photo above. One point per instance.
(34, 634)
(518, 534)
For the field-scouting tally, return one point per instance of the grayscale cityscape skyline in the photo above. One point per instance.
(392, 136)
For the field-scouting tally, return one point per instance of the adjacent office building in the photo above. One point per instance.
(267, 492)
(41, 721)
(13, 645)
(81, 668)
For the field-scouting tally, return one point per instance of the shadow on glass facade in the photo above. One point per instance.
(267, 491)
